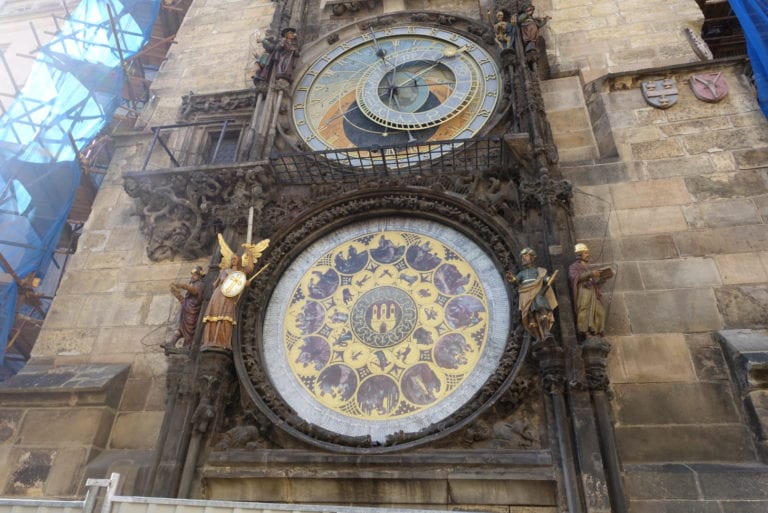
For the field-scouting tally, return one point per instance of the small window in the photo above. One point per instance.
(223, 149)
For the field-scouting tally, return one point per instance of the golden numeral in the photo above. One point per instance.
(365, 37)
(492, 76)
(302, 89)
(483, 61)
(433, 31)
(492, 94)
(299, 106)
(411, 29)
(345, 46)
(301, 122)
(484, 113)
(454, 37)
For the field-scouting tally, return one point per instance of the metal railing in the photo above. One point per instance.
(431, 158)
(159, 137)
(113, 503)
(418, 158)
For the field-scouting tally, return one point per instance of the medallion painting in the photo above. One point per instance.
(385, 325)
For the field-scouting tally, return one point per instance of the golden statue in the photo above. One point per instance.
(537, 300)
(220, 315)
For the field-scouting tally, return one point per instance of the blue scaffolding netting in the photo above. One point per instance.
(71, 93)
(753, 18)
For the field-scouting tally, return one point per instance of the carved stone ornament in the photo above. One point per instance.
(221, 102)
(545, 190)
(308, 349)
(661, 94)
(595, 351)
(551, 358)
(181, 210)
(339, 7)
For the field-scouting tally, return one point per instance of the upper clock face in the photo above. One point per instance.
(396, 85)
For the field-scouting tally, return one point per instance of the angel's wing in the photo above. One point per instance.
(253, 252)
(226, 253)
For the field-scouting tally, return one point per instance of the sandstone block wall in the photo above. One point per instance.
(675, 202)
(114, 305)
(679, 211)
(594, 38)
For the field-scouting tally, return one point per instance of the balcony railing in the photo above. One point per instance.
(431, 158)
(418, 158)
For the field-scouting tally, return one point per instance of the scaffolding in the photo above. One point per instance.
(51, 152)
(753, 16)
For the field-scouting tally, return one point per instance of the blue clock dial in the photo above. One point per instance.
(392, 85)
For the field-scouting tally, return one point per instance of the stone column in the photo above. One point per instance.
(595, 350)
(550, 356)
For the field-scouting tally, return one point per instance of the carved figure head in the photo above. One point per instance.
(197, 273)
(528, 256)
(582, 251)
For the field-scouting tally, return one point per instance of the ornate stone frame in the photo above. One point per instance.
(327, 217)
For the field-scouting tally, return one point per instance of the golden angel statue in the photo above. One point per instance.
(220, 315)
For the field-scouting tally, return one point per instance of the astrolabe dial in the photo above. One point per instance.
(404, 84)
(396, 96)
(384, 326)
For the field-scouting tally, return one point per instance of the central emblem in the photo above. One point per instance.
(383, 317)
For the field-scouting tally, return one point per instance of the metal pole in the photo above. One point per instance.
(37, 38)
(218, 142)
(273, 125)
(151, 147)
(10, 75)
(114, 482)
(565, 444)
(122, 59)
(189, 465)
(610, 455)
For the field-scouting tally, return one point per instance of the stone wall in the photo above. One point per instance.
(678, 208)
(114, 305)
(608, 36)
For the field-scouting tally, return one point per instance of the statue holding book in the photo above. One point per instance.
(587, 297)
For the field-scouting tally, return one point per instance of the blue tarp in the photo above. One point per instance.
(73, 90)
(753, 17)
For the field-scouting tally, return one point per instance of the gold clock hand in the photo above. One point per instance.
(447, 53)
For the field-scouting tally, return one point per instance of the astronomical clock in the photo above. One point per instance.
(385, 319)
(396, 85)
(398, 166)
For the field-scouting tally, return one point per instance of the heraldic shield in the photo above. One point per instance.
(661, 94)
(709, 87)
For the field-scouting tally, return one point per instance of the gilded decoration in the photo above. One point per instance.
(385, 325)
